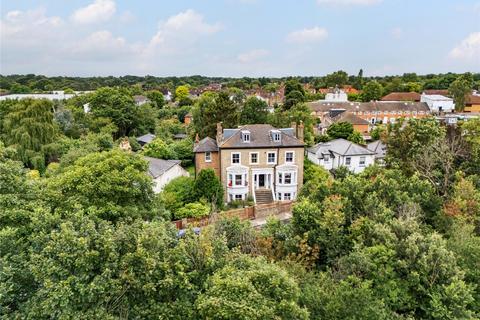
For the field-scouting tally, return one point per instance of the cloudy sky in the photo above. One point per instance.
(238, 37)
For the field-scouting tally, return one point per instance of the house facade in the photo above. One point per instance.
(340, 152)
(164, 171)
(472, 103)
(257, 161)
(438, 103)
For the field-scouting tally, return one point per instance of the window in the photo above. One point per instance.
(208, 156)
(348, 160)
(238, 179)
(246, 136)
(280, 178)
(289, 157)
(235, 158)
(253, 157)
(276, 135)
(287, 196)
(362, 161)
(279, 196)
(238, 197)
(271, 158)
(288, 178)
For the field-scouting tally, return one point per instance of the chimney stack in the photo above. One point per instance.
(197, 138)
(219, 132)
(300, 128)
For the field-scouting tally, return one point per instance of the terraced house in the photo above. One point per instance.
(257, 161)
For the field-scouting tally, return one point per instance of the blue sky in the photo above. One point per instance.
(238, 37)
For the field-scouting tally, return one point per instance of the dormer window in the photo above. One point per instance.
(276, 135)
(246, 136)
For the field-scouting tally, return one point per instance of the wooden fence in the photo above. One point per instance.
(246, 213)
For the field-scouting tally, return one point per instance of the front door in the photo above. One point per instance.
(261, 181)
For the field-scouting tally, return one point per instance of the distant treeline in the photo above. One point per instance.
(406, 82)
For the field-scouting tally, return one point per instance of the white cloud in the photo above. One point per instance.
(348, 2)
(98, 11)
(101, 45)
(397, 32)
(252, 55)
(468, 49)
(314, 34)
(181, 30)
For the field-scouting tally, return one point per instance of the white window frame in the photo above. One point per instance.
(236, 197)
(364, 161)
(285, 197)
(268, 158)
(239, 157)
(245, 136)
(348, 161)
(208, 156)
(258, 159)
(293, 156)
(276, 134)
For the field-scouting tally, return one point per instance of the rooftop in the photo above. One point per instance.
(157, 167)
(402, 96)
(340, 146)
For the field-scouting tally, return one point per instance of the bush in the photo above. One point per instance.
(193, 210)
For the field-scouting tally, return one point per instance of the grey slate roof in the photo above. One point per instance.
(340, 146)
(378, 147)
(157, 167)
(260, 137)
(206, 145)
(147, 138)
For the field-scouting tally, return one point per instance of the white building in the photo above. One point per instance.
(55, 95)
(337, 95)
(380, 150)
(164, 171)
(438, 103)
(340, 152)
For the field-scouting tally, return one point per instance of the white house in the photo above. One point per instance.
(380, 149)
(164, 171)
(55, 95)
(438, 103)
(340, 152)
(337, 95)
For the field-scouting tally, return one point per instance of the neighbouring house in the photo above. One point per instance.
(442, 92)
(472, 103)
(188, 118)
(402, 96)
(334, 116)
(140, 100)
(340, 152)
(380, 149)
(336, 95)
(86, 108)
(438, 103)
(145, 139)
(164, 171)
(257, 161)
(374, 111)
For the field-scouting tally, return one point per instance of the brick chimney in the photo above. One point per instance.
(219, 132)
(197, 138)
(300, 128)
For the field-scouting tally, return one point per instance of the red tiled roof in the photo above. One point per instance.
(402, 96)
(472, 99)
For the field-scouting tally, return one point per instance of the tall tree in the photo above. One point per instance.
(254, 111)
(459, 89)
(373, 90)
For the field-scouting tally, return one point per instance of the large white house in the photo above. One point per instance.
(55, 95)
(340, 152)
(164, 171)
(438, 103)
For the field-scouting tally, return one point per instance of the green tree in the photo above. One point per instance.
(337, 78)
(192, 210)
(250, 288)
(340, 130)
(114, 184)
(29, 127)
(459, 89)
(208, 186)
(159, 149)
(373, 90)
(356, 137)
(156, 98)
(177, 193)
(181, 93)
(254, 111)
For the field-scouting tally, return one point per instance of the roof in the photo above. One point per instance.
(340, 146)
(402, 96)
(378, 147)
(436, 97)
(322, 106)
(146, 138)
(139, 99)
(260, 137)
(157, 167)
(206, 145)
(180, 136)
(442, 92)
(472, 99)
(350, 118)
